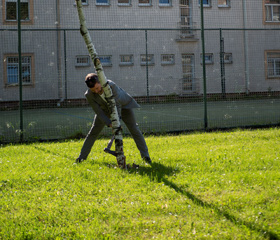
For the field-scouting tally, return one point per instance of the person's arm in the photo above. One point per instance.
(99, 112)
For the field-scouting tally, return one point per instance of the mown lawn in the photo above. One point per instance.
(221, 185)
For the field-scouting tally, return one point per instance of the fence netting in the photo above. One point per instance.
(153, 50)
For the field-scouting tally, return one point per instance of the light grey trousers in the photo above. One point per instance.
(129, 120)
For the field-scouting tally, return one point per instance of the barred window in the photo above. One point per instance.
(126, 60)
(82, 61)
(145, 2)
(223, 3)
(209, 58)
(206, 3)
(84, 2)
(272, 11)
(11, 12)
(273, 64)
(102, 2)
(188, 72)
(124, 2)
(164, 2)
(228, 58)
(147, 59)
(106, 60)
(12, 70)
(167, 59)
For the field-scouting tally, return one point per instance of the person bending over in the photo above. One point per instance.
(125, 104)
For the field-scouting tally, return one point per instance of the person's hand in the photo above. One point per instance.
(111, 128)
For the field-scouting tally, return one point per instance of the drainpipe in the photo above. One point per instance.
(245, 41)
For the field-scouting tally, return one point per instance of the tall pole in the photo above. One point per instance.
(117, 130)
(222, 63)
(20, 70)
(245, 40)
(147, 66)
(203, 65)
(65, 67)
(58, 57)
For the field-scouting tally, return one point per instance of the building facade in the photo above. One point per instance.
(149, 47)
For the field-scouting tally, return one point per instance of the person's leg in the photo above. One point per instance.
(129, 120)
(92, 135)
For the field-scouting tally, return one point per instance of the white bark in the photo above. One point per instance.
(107, 89)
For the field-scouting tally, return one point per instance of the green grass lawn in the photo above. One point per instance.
(221, 185)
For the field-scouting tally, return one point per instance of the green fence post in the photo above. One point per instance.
(20, 70)
(65, 67)
(203, 64)
(222, 63)
(147, 66)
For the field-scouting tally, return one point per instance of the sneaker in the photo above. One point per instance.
(79, 160)
(147, 160)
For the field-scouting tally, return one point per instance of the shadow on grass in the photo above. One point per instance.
(159, 172)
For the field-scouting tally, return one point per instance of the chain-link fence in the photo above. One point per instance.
(155, 50)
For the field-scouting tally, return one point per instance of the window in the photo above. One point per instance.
(145, 2)
(126, 60)
(84, 2)
(167, 59)
(272, 11)
(165, 3)
(206, 3)
(11, 13)
(106, 60)
(273, 64)
(188, 73)
(82, 61)
(209, 59)
(124, 2)
(11, 66)
(102, 2)
(223, 3)
(147, 59)
(227, 58)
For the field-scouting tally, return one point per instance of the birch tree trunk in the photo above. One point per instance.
(117, 130)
